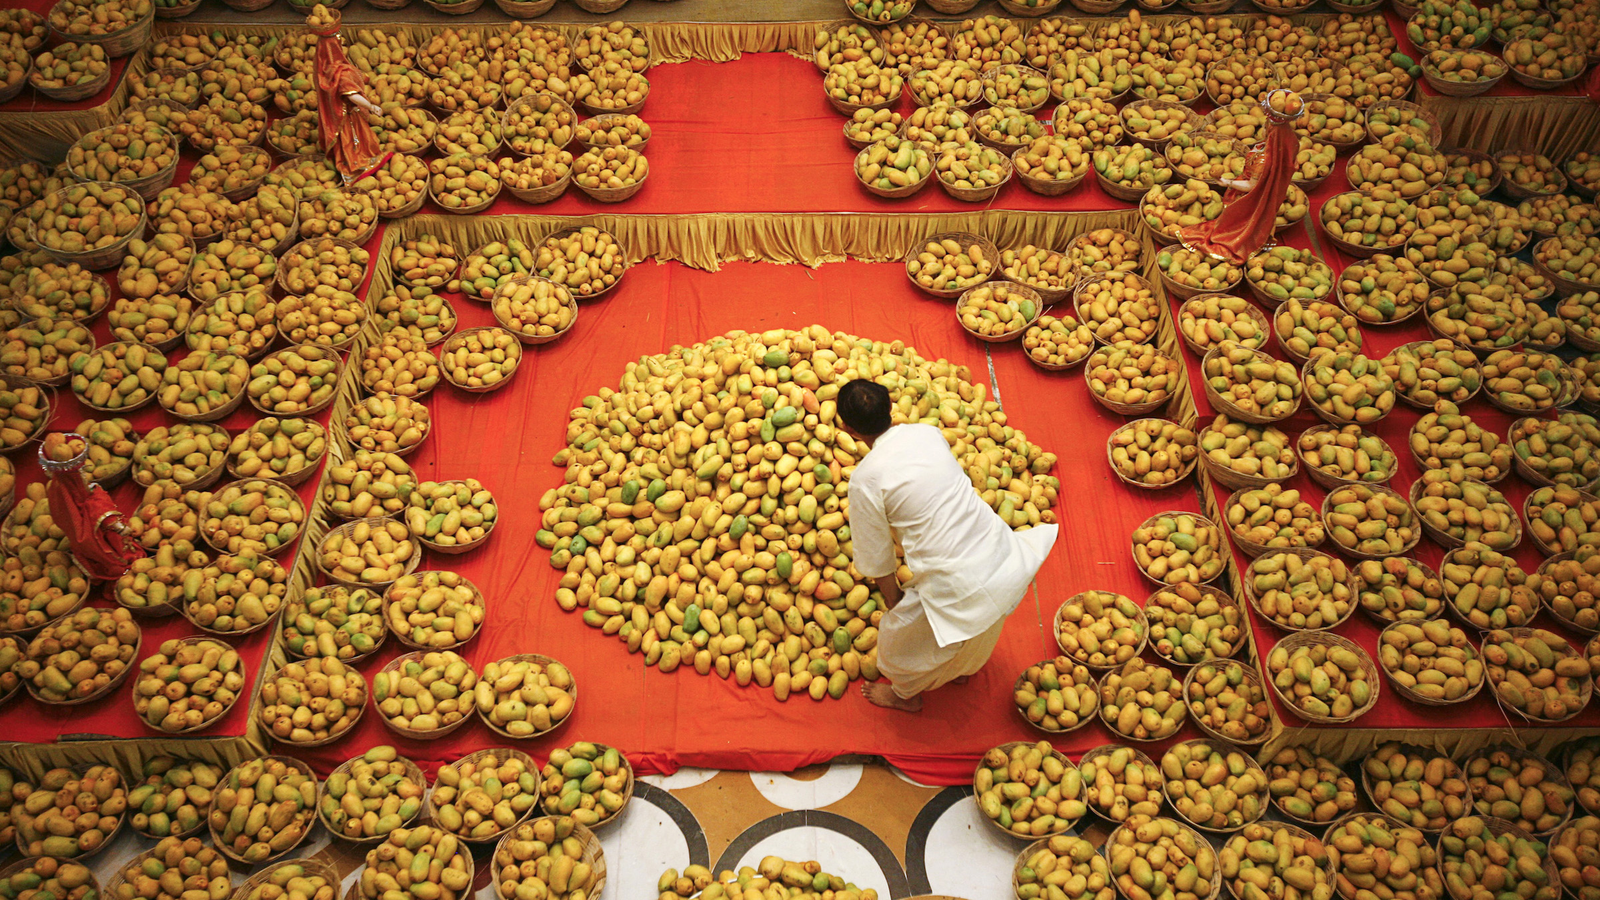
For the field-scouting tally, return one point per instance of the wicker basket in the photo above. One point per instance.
(1540, 84)
(1478, 155)
(1121, 192)
(1193, 835)
(271, 621)
(1263, 795)
(1201, 520)
(482, 601)
(1497, 827)
(1195, 120)
(1251, 548)
(1126, 409)
(1227, 407)
(1383, 490)
(529, 339)
(9, 93)
(1263, 327)
(1144, 639)
(966, 240)
(89, 698)
(293, 478)
(118, 410)
(1361, 251)
(85, 856)
(1183, 475)
(307, 350)
(591, 853)
(1585, 690)
(1012, 287)
(412, 771)
(118, 43)
(613, 195)
(1450, 542)
(1411, 695)
(951, 7)
(308, 817)
(13, 382)
(1415, 346)
(1518, 192)
(1551, 771)
(1327, 639)
(188, 641)
(458, 549)
(893, 193)
(1223, 599)
(600, 7)
(389, 5)
(313, 245)
(525, 9)
(1544, 571)
(1156, 792)
(471, 210)
(1453, 770)
(1045, 187)
(315, 866)
(1564, 286)
(555, 724)
(412, 734)
(1185, 292)
(74, 93)
(1326, 481)
(537, 195)
(983, 194)
(1304, 554)
(344, 530)
(350, 672)
(1084, 718)
(1448, 88)
(1006, 748)
(465, 7)
(503, 755)
(107, 257)
(605, 121)
(1435, 133)
(458, 339)
(1044, 8)
(177, 11)
(1324, 414)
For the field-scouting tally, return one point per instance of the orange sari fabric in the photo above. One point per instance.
(346, 137)
(1245, 225)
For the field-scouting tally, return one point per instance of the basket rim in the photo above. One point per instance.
(1585, 688)
(405, 640)
(1253, 548)
(321, 867)
(1195, 835)
(1220, 404)
(459, 338)
(190, 641)
(417, 655)
(500, 753)
(1413, 749)
(1328, 427)
(1083, 719)
(412, 771)
(209, 534)
(1305, 553)
(1144, 633)
(1203, 520)
(1551, 770)
(1294, 641)
(1224, 598)
(966, 239)
(1550, 562)
(308, 815)
(1247, 674)
(1251, 767)
(542, 660)
(1183, 473)
(1006, 747)
(109, 687)
(1451, 542)
(1251, 310)
(348, 526)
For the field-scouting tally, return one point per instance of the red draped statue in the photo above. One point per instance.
(346, 137)
(94, 528)
(1252, 202)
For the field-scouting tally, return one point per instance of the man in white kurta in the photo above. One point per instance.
(969, 569)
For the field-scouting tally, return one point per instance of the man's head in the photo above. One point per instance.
(865, 408)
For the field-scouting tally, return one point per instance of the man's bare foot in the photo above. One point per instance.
(884, 696)
(961, 679)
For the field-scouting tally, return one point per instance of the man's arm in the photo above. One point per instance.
(872, 543)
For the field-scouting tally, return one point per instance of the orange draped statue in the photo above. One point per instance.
(1251, 209)
(345, 135)
(95, 530)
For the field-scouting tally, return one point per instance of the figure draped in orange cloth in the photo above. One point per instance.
(95, 530)
(1246, 223)
(346, 137)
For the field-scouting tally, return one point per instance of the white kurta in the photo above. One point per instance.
(969, 569)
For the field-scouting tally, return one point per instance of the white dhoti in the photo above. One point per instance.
(911, 658)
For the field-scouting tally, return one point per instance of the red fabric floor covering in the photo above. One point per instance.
(507, 438)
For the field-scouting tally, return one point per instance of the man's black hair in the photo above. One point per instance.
(865, 406)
